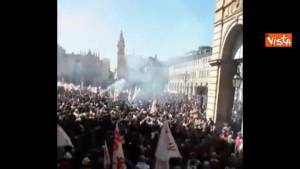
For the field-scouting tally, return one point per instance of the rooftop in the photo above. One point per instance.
(203, 51)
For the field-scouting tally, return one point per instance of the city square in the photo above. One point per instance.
(184, 111)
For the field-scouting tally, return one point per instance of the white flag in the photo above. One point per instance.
(62, 138)
(136, 92)
(116, 95)
(118, 154)
(166, 148)
(106, 162)
(130, 95)
(153, 108)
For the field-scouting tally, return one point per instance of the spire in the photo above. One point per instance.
(121, 36)
(121, 42)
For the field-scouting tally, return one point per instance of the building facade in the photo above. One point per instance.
(87, 68)
(224, 98)
(188, 75)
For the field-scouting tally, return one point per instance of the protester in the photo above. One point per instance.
(193, 162)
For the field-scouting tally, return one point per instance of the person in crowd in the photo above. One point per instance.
(142, 163)
(238, 141)
(86, 163)
(231, 142)
(66, 162)
(206, 165)
(193, 162)
(214, 161)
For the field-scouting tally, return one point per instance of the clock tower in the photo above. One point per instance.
(122, 61)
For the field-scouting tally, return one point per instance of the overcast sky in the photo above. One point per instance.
(167, 28)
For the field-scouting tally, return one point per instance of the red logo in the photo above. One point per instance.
(278, 40)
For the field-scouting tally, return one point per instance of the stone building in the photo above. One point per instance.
(122, 67)
(188, 75)
(225, 98)
(84, 67)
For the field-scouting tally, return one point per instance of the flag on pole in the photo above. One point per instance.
(118, 154)
(106, 162)
(130, 95)
(153, 108)
(116, 75)
(166, 148)
(62, 138)
(136, 92)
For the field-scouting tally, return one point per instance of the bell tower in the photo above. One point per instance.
(122, 62)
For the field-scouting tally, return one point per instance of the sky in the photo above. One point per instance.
(168, 28)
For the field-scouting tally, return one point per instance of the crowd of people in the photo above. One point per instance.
(89, 119)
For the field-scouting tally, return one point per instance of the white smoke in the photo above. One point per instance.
(148, 74)
(117, 85)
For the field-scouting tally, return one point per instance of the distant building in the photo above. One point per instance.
(86, 68)
(189, 74)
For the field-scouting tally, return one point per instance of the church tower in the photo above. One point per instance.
(122, 62)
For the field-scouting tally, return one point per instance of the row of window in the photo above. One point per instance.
(194, 62)
(180, 86)
(193, 75)
(177, 86)
(202, 61)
